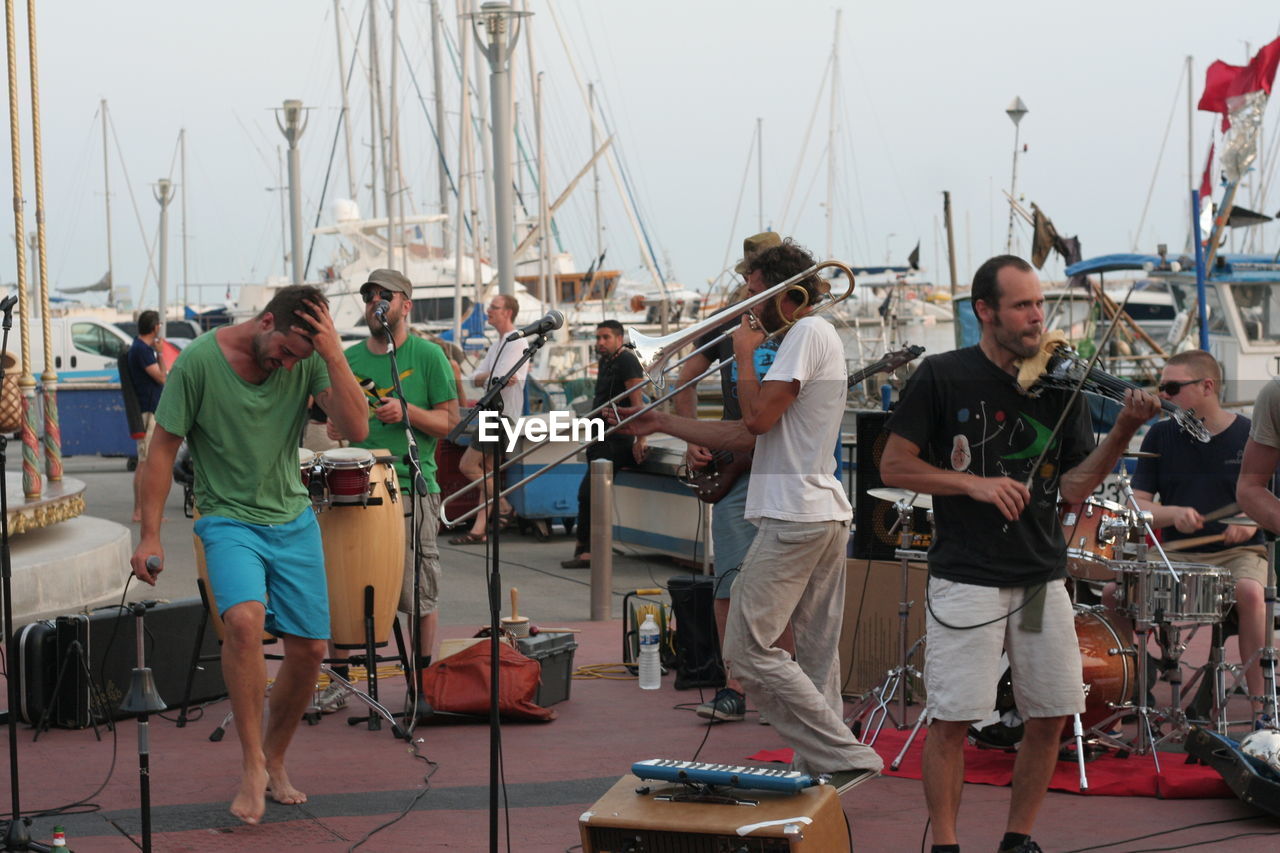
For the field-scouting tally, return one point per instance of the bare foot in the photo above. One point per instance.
(250, 802)
(281, 790)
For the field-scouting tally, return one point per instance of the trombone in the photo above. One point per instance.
(655, 353)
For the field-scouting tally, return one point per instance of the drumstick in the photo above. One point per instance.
(1223, 512)
(1185, 544)
(515, 600)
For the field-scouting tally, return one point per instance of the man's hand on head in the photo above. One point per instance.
(324, 335)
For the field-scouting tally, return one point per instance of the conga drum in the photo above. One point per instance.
(364, 547)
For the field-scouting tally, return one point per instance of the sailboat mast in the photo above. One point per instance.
(375, 137)
(346, 106)
(382, 144)
(395, 185)
(182, 147)
(595, 171)
(106, 194)
(466, 180)
(442, 155)
(831, 137)
(760, 175)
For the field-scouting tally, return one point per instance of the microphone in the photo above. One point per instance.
(552, 321)
(380, 311)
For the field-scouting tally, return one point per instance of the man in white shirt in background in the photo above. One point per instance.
(500, 358)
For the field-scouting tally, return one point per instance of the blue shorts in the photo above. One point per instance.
(280, 565)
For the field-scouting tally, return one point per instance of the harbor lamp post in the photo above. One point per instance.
(164, 195)
(1015, 112)
(295, 122)
(502, 28)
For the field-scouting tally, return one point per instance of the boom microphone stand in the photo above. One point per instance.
(16, 837)
(492, 402)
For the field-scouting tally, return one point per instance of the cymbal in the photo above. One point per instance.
(894, 495)
(1239, 520)
(1140, 454)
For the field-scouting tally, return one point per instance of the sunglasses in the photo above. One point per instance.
(1172, 388)
(370, 295)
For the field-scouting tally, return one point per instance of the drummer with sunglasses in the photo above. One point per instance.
(1186, 480)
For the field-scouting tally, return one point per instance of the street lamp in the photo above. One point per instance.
(163, 192)
(1015, 111)
(501, 28)
(293, 125)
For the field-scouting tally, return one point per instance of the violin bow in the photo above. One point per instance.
(1075, 392)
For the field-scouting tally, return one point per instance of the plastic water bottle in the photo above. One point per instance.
(650, 666)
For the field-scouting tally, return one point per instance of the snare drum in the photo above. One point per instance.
(346, 473)
(1095, 532)
(364, 550)
(1149, 593)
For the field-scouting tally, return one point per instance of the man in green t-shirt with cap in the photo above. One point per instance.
(432, 395)
(238, 395)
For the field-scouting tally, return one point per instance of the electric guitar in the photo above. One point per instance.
(714, 480)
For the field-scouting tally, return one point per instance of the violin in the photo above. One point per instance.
(1066, 370)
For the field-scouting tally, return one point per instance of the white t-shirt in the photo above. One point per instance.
(1266, 415)
(492, 364)
(793, 472)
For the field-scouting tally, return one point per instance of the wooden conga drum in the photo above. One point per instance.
(364, 547)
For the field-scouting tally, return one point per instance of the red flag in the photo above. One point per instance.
(1206, 184)
(1223, 82)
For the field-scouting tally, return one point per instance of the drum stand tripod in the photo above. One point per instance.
(1148, 717)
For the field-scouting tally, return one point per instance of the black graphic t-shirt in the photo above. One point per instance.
(966, 414)
(1190, 473)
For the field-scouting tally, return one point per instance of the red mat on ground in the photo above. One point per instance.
(1108, 775)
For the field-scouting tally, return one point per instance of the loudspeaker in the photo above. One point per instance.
(105, 643)
(624, 821)
(875, 518)
(697, 662)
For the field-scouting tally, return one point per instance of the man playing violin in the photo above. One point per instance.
(965, 432)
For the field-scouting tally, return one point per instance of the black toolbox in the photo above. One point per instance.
(555, 653)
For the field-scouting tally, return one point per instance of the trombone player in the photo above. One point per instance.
(731, 533)
(794, 569)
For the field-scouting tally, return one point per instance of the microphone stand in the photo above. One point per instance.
(418, 491)
(492, 402)
(16, 837)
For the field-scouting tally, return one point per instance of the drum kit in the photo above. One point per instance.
(356, 496)
(1107, 543)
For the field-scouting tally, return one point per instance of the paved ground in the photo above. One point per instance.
(552, 772)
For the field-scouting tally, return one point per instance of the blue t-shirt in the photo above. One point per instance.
(1190, 473)
(142, 356)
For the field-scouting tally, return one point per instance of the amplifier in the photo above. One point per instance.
(624, 821)
(102, 646)
(874, 533)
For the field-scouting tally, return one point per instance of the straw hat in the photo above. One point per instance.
(754, 245)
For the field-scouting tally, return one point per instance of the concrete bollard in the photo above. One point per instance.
(601, 473)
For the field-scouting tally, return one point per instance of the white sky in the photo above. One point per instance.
(924, 86)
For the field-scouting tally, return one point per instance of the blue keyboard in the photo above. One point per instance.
(724, 775)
